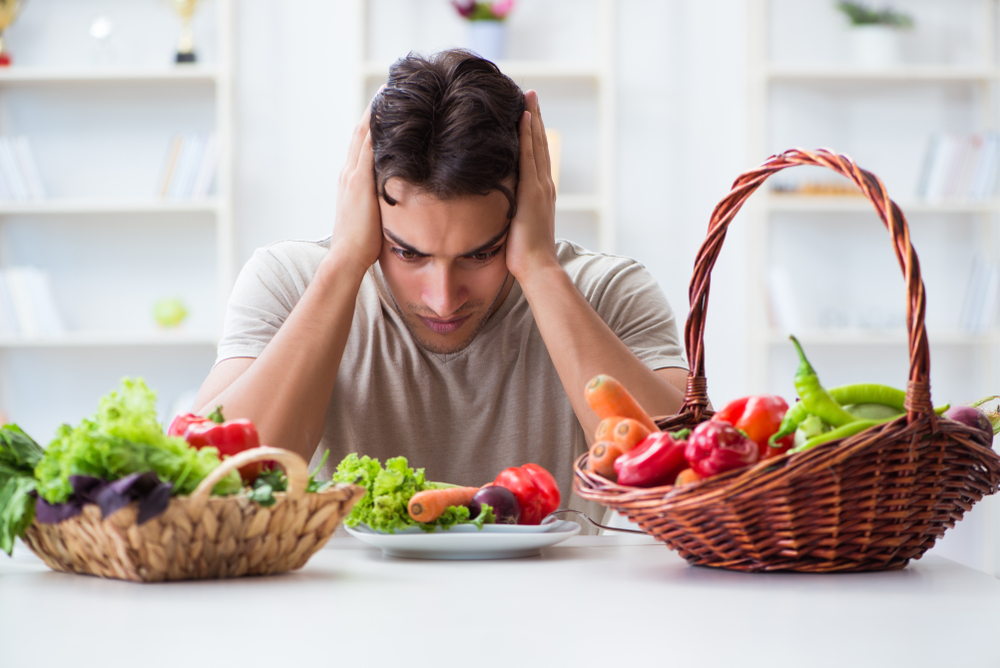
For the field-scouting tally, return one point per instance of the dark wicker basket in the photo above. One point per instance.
(869, 502)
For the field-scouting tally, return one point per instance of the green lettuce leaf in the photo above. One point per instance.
(124, 437)
(19, 454)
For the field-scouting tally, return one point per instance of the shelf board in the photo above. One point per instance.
(83, 206)
(910, 74)
(574, 202)
(860, 337)
(515, 69)
(31, 75)
(112, 340)
(847, 203)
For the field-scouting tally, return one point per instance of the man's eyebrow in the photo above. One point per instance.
(491, 243)
(399, 242)
(485, 247)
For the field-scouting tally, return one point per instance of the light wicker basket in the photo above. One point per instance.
(201, 536)
(872, 501)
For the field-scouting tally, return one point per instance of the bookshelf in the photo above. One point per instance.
(101, 132)
(578, 96)
(803, 90)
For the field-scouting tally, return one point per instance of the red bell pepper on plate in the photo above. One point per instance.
(535, 488)
(758, 417)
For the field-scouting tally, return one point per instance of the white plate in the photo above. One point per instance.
(465, 541)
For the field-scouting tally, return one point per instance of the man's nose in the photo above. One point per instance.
(443, 293)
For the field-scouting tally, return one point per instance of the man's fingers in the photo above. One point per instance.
(541, 153)
(361, 131)
(528, 169)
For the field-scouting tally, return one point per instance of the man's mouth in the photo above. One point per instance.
(443, 326)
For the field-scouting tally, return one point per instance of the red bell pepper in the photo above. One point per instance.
(758, 417)
(535, 488)
(230, 437)
(181, 423)
(656, 460)
(716, 446)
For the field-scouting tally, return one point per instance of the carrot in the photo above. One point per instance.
(606, 427)
(687, 477)
(427, 506)
(602, 459)
(628, 433)
(608, 398)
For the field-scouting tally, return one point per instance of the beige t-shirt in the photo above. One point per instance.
(464, 416)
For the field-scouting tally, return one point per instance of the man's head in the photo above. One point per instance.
(445, 140)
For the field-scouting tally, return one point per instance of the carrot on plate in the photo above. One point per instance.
(427, 506)
(608, 398)
(628, 433)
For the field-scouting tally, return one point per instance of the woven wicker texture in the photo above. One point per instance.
(872, 501)
(201, 536)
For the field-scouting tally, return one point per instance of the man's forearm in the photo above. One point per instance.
(287, 389)
(582, 346)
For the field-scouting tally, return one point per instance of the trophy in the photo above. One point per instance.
(9, 10)
(185, 45)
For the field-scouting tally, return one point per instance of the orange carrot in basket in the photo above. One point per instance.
(609, 398)
(602, 459)
(686, 477)
(606, 428)
(628, 433)
(427, 506)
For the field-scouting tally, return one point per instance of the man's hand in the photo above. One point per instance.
(531, 243)
(357, 232)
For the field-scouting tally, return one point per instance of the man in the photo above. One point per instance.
(441, 320)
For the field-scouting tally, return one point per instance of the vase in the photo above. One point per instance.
(488, 39)
(875, 45)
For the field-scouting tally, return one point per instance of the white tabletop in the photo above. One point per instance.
(592, 601)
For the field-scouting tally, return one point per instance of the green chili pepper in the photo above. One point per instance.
(844, 431)
(816, 399)
(845, 395)
(793, 416)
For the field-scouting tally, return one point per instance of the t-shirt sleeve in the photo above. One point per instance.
(633, 305)
(266, 290)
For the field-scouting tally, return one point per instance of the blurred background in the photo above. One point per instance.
(147, 147)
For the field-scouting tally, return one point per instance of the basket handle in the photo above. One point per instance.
(918, 393)
(295, 468)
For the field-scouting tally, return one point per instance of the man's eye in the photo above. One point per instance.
(482, 257)
(405, 254)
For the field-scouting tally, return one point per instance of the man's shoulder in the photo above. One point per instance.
(294, 253)
(581, 263)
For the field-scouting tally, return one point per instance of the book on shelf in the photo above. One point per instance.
(28, 306)
(960, 167)
(190, 166)
(982, 292)
(19, 177)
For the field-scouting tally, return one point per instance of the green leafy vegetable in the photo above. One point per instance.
(383, 508)
(275, 480)
(19, 455)
(125, 437)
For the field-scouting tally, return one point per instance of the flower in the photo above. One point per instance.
(477, 10)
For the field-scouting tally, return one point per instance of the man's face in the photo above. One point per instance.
(444, 263)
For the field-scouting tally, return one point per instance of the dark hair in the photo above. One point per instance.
(447, 124)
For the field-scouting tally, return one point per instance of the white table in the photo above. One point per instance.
(592, 601)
